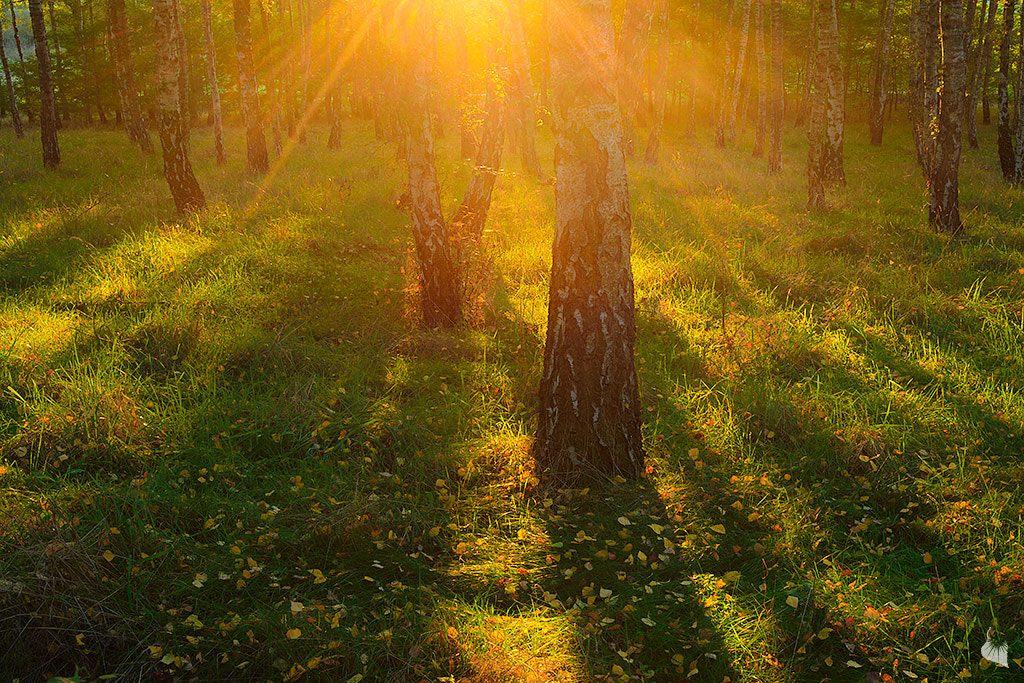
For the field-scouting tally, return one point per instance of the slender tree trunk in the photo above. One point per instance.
(694, 64)
(880, 71)
(12, 98)
(47, 101)
(333, 106)
(722, 89)
(305, 104)
(211, 76)
(986, 116)
(589, 415)
(1018, 173)
(21, 58)
(185, 190)
(735, 93)
(471, 216)
(974, 60)
(915, 73)
(632, 55)
(124, 74)
(58, 69)
(83, 53)
(762, 80)
(460, 44)
(183, 71)
(1007, 156)
(848, 57)
(818, 126)
(835, 111)
(928, 31)
(256, 142)
(522, 89)
(660, 87)
(810, 74)
(778, 90)
(94, 79)
(944, 184)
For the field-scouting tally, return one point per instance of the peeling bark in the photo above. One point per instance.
(831, 73)
(944, 182)
(47, 101)
(589, 420)
(778, 90)
(124, 74)
(880, 72)
(255, 140)
(185, 190)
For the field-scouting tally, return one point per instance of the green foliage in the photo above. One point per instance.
(227, 451)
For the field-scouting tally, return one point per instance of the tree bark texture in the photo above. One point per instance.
(471, 216)
(124, 74)
(47, 101)
(185, 190)
(1007, 157)
(255, 140)
(944, 183)
(974, 73)
(880, 72)
(589, 420)
(778, 90)
(835, 110)
(211, 77)
(21, 55)
(1018, 169)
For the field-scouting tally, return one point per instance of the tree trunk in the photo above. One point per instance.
(1018, 173)
(333, 116)
(778, 91)
(880, 71)
(183, 71)
(589, 415)
(93, 75)
(12, 98)
(47, 101)
(1007, 160)
(810, 74)
(929, 27)
(835, 111)
(211, 76)
(305, 105)
(58, 69)
(986, 116)
(124, 74)
(185, 190)
(471, 216)
(631, 57)
(83, 54)
(255, 142)
(818, 128)
(660, 87)
(974, 67)
(440, 283)
(762, 81)
(694, 64)
(522, 90)
(722, 89)
(21, 56)
(735, 93)
(944, 184)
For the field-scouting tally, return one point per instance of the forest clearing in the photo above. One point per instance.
(344, 392)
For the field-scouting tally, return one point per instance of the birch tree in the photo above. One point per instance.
(47, 101)
(1007, 156)
(778, 91)
(185, 190)
(880, 72)
(211, 77)
(589, 414)
(124, 75)
(255, 140)
(944, 181)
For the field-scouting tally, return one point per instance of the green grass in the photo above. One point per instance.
(228, 452)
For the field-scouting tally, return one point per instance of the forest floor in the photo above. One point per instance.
(228, 452)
